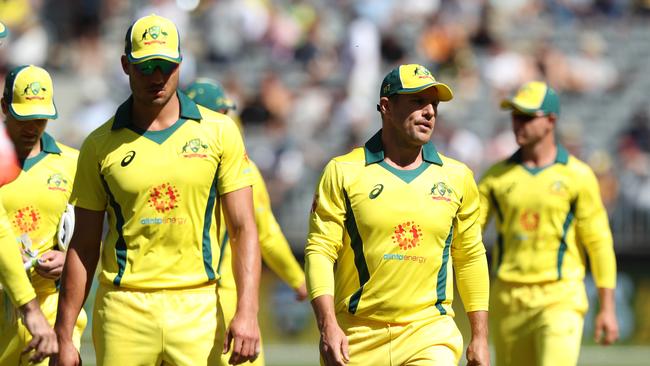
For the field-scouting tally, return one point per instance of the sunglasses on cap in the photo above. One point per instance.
(149, 66)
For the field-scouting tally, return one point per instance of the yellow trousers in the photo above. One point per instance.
(180, 327)
(436, 341)
(537, 325)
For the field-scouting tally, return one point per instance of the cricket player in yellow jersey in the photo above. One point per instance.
(274, 247)
(549, 218)
(48, 169)
(13, 279)
(161, 168)
(390, 223)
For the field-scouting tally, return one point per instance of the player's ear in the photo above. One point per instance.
(384, 106)
(125, 64)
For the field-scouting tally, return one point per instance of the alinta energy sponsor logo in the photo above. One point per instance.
(57, 182)
(404, 257)
(195, 148)
(407, 235)
(441, 192)
(164, 198)
(529, 220)
(26, 219)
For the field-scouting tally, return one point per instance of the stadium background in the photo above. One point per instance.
(305, 77)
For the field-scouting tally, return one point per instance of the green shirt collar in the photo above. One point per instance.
(374, 151)
(48, 144)
(189, 110)
(562, 156)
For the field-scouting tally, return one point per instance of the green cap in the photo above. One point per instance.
(210, 94)
(410, 79)
(532, 98)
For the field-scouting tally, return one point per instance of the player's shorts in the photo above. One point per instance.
(537, 325)
(228, 301)
(14, 337)
(181, 327)
(435, 341)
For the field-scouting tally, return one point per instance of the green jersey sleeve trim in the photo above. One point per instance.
(441, 286)
(359, 258)
(207, 223)
(120, 244)
(563, 244)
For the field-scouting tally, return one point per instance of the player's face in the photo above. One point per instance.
(529, 130)
(152, 83)
(25, 134)
(413, 116)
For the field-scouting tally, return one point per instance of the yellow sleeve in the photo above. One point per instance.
(88, 189)
(592, 228)
(468, 252)
(12, 274)
(234, 167)
(485, 202)
(275, 249)
(326, 229)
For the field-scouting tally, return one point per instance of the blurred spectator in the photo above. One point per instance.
(591, 70)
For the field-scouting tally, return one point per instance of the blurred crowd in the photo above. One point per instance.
(305, 76)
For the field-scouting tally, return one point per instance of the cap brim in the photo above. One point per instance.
(23, 112)
(444, 91)
(136, 58)
(509, 104)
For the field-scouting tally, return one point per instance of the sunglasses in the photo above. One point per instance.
(149, 66)
(521, 117)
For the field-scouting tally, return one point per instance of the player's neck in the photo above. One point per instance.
(26, 151)
(540, 154)
(154, 117)
(402, 156)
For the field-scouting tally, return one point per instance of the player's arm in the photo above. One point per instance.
(76, 280)
(593, 231)
(485, 201)
(16, 284)
(471, 269)
(12, 273)
(326, 230)
(275, 249)
(90, 198)
(243, 331)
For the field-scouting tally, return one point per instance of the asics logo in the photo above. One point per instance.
(376, 191)
(128, 158)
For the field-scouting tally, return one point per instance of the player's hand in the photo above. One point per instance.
(50, 264)
(478, 353)
(301, 292)
(243, 336)
(334, 345)
(606, 326)
(67, 356)
(43, 343)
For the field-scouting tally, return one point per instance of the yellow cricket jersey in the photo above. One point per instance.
(36, 200)
(392, 237)
(273, 245)
(161, 191)
(545, 218)
(12, 274)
